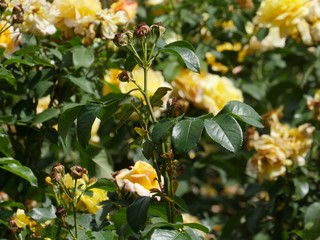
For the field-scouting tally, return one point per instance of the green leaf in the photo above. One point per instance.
(21, 171)
(11, 204)
(66, 119)
(9, 77)
(197, 226)
(185, 54)
(87, 115)
(9, 160)
(83, 83)
(158, 95)
(225, 130)
(105, 184)
(312, 214)
(194, 234)
(82, 57)
(137, 213)
(301, 188)
(148, 149)
(161, 129)
(43, 214)
(243, 112)
(186, 134)
(5, 143)
(45, 116)
(181, 203)
(130, 63)
(164, 234)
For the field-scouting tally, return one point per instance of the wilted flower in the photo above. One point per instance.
(10, 38)
(140, 179)
(142, 30)
(284, 14)
(206, 91)
(17, 14)
(77, 171)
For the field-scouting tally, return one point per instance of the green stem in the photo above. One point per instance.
(145, 90)
(74, 206)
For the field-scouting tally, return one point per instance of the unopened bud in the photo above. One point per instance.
(77, 171)
(17, 14)
(61, 212)
(157, 29)
(123, 38)
(125, 76)
(142, 30)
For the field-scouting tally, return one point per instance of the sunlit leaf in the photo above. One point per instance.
(243, 112)
(186, 134)
(185, 54)
(225, 130)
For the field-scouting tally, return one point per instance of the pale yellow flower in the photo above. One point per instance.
(77, 14)
(155, 80)
(22, 220)
(270, 160)
(215, 66)
(94, 131)
(140, 179)
(110, 20)
(284, 14)
(271, 41)
(227, 46)
(283, 147)
(43, 104)
(206, 91)
(91, 203)
(10, 38)
(39, 17)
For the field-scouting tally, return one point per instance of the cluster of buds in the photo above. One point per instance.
(141, 31)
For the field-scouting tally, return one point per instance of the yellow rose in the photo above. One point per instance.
(140, 179)
(270, 160)
(10, 38)
(206, 91)
(284, 14)
(155, 80)
(91, 203)
(75, 13)
(39, 17)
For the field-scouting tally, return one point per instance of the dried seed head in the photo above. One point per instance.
(125, 76)
(123, 38)
(17, 14)
(158, 29)
(61, 212)
(3, 5)
(78, 171)
(142, 30)
(57, 172)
